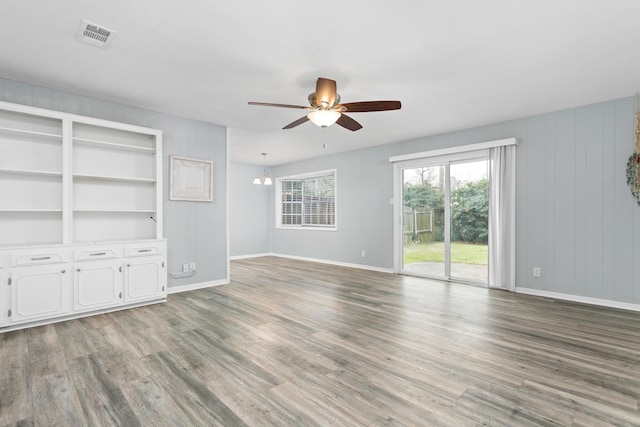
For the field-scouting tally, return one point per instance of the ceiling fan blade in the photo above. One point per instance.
(298, 122)
(348, 123)
(326, 90)
(365, 106)
(269, 104)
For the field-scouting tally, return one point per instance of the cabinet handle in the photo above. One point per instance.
(77, 269)
(120, 295)
(120, 269)
(63, 271)
(98, 254)
(40, 258)
(128, 265)
(144, 250)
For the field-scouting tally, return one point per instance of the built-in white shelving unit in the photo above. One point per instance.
(31, 193)
(73, 185)
(114, 175)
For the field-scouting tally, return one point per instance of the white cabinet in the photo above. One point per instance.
(44, 284)
(145, 278)
(81, 198)
(40, 292)
(97, 284)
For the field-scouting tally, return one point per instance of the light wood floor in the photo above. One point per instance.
(292, 343)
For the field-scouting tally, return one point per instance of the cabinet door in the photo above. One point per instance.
(40, 292)
(5, 298)
(145, 279)
(97, 285)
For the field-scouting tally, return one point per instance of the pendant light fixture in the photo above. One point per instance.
(264, 179)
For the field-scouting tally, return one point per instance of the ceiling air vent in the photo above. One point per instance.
(95, 35)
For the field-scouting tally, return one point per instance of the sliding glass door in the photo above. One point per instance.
(469, 220)
(445, 217)
(423, 220)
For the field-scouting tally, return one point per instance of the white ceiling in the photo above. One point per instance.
(453, 64)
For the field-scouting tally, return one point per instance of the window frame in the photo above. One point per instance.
(279, 202)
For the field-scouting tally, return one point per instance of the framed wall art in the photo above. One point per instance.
(190, 179)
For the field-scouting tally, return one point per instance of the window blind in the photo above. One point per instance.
(308, 201)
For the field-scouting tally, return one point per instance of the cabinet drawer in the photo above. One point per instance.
(95, 254)
(37, 258)
(142, 251)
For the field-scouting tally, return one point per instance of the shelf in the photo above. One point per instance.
(149, 211)
(113, 178)
(113, 145)
(22, 245)
(85, 242)
(31, 210)
(46, 136)
(29, 172)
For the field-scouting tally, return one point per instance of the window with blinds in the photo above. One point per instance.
(307, 201)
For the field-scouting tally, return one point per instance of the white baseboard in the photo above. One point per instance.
(341, 264)
(249, 256)
(578, 298)
(194, 286)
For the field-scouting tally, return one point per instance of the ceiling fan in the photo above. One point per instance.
(326, 108)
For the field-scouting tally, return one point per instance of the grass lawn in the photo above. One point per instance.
(466, 253)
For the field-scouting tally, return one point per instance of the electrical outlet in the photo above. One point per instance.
(363, 254)
(185, 268)
(537, 272)
(192, 266)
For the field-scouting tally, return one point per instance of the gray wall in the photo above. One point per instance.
(195, 231)
(365, 217)
(249, 211)
(576, 218)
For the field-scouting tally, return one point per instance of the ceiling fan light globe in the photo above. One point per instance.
(323, 118)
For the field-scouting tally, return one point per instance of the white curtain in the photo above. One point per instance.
(502, 218)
